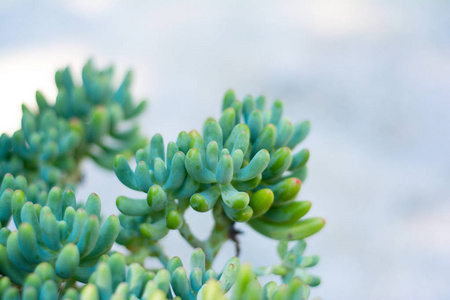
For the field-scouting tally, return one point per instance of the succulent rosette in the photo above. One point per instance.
(241, 166)
(68, 236)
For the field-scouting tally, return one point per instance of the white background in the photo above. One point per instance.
(371, 76)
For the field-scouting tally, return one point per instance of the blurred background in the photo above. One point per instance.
(372, 76)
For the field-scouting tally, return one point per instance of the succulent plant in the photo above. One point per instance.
(240, 168)
(113, 279)
(69, 238)
(49, 147)
(245, 172)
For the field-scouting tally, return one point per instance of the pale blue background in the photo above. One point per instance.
(372, 76)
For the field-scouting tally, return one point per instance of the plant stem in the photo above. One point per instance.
(158, 251)
(146, 249)
(220, 233)
(221, 230)
(187, 234)
(138, 255)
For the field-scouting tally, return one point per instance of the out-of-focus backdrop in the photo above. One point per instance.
(372, 76)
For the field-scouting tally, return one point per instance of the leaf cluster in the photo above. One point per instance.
(242, 168)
